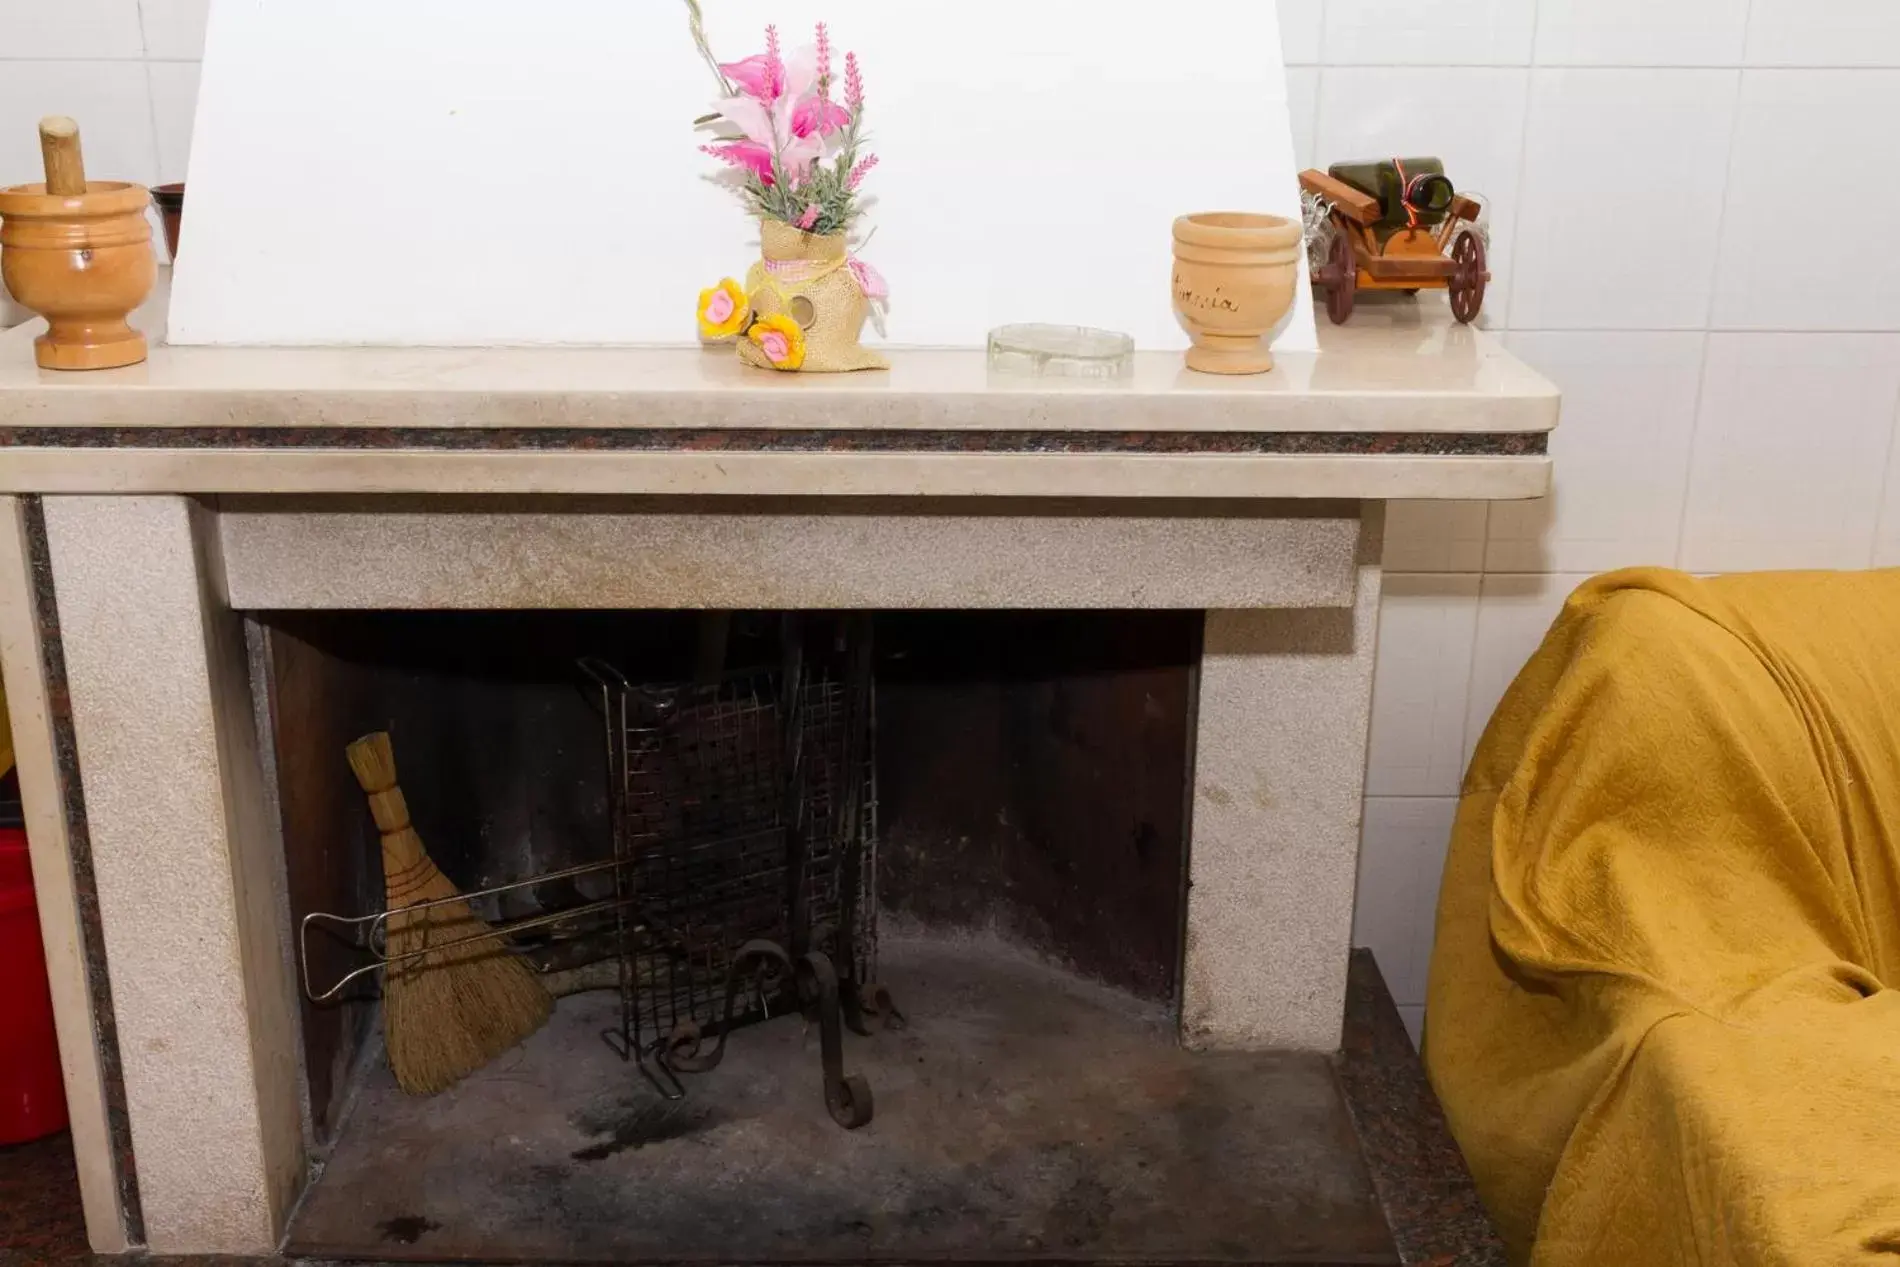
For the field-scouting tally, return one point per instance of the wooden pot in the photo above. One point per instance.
(170, 201)
(1234, 275)
(84, 262)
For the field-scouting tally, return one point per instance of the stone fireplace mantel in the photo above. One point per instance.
(148, 508)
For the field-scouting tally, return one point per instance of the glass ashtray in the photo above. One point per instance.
(1040, 351)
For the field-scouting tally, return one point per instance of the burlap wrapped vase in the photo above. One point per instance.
(812, 279)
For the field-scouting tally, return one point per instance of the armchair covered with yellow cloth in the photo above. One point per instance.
(1658, 1016)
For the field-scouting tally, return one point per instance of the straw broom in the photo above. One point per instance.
(453, 1009)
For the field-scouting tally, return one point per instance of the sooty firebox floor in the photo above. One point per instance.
(1022, 1115)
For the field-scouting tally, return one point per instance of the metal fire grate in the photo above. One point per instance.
(703, 803)
(744, 815)
(744, 825)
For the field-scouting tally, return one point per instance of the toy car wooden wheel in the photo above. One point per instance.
(1341, 278)
(1467, 283)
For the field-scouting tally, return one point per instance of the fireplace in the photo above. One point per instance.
(980, 822)
(1112, 881)
(1188, 565)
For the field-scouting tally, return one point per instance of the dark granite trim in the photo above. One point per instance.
(85, 887)
(1430, 1202)
(765, 440)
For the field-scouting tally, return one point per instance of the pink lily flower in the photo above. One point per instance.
(752, 117)
(774, 124)
(798, 156)
(750, 155)
(816, 114)
(757, 76)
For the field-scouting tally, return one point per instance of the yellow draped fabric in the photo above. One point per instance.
(1658, 1013)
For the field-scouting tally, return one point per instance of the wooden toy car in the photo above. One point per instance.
(1398, 225)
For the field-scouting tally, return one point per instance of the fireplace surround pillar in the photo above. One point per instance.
(1279, 772)
(187, 869)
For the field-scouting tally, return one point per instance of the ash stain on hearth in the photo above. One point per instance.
(406, 1229)
(630, 1125)
(1080, 1213)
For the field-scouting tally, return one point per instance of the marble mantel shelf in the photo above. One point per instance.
(1402, 403)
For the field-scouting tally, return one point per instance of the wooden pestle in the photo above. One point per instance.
(59, 150)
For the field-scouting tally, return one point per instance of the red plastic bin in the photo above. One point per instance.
(32, 1097)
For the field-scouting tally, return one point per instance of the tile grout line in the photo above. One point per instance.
(1728, 185)
(1715, 282)
(151, 126)
(151, 102)
(1471, 677)
(1517, 201)
(1510, 298)
(1695, 436)
(1886, 488)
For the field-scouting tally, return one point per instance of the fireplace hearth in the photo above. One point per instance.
(1024, 1113)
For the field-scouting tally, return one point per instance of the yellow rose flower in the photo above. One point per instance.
(724, 310)
(781, 339)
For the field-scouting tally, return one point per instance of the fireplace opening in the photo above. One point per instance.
(978, 822)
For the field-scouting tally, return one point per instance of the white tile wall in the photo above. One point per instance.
(1621, 453)
(1824, 33)
(174, 29)
(110, 99)
(1428, 629)
(69, 29)
(1401, 854)
(1809, 175)
(1302, 91)
(1597, 137)
(174, 100)
(1300, 22)
(1641, 32)
(1887, 537)
(1428, 32)
(1791, 451)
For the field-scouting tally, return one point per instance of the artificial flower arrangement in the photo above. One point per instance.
(792, 136)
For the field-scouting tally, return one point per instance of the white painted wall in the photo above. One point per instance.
(1739, 414)
(476, 172)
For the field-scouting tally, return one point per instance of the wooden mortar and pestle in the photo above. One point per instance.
(79, 253)
(1234, 279)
